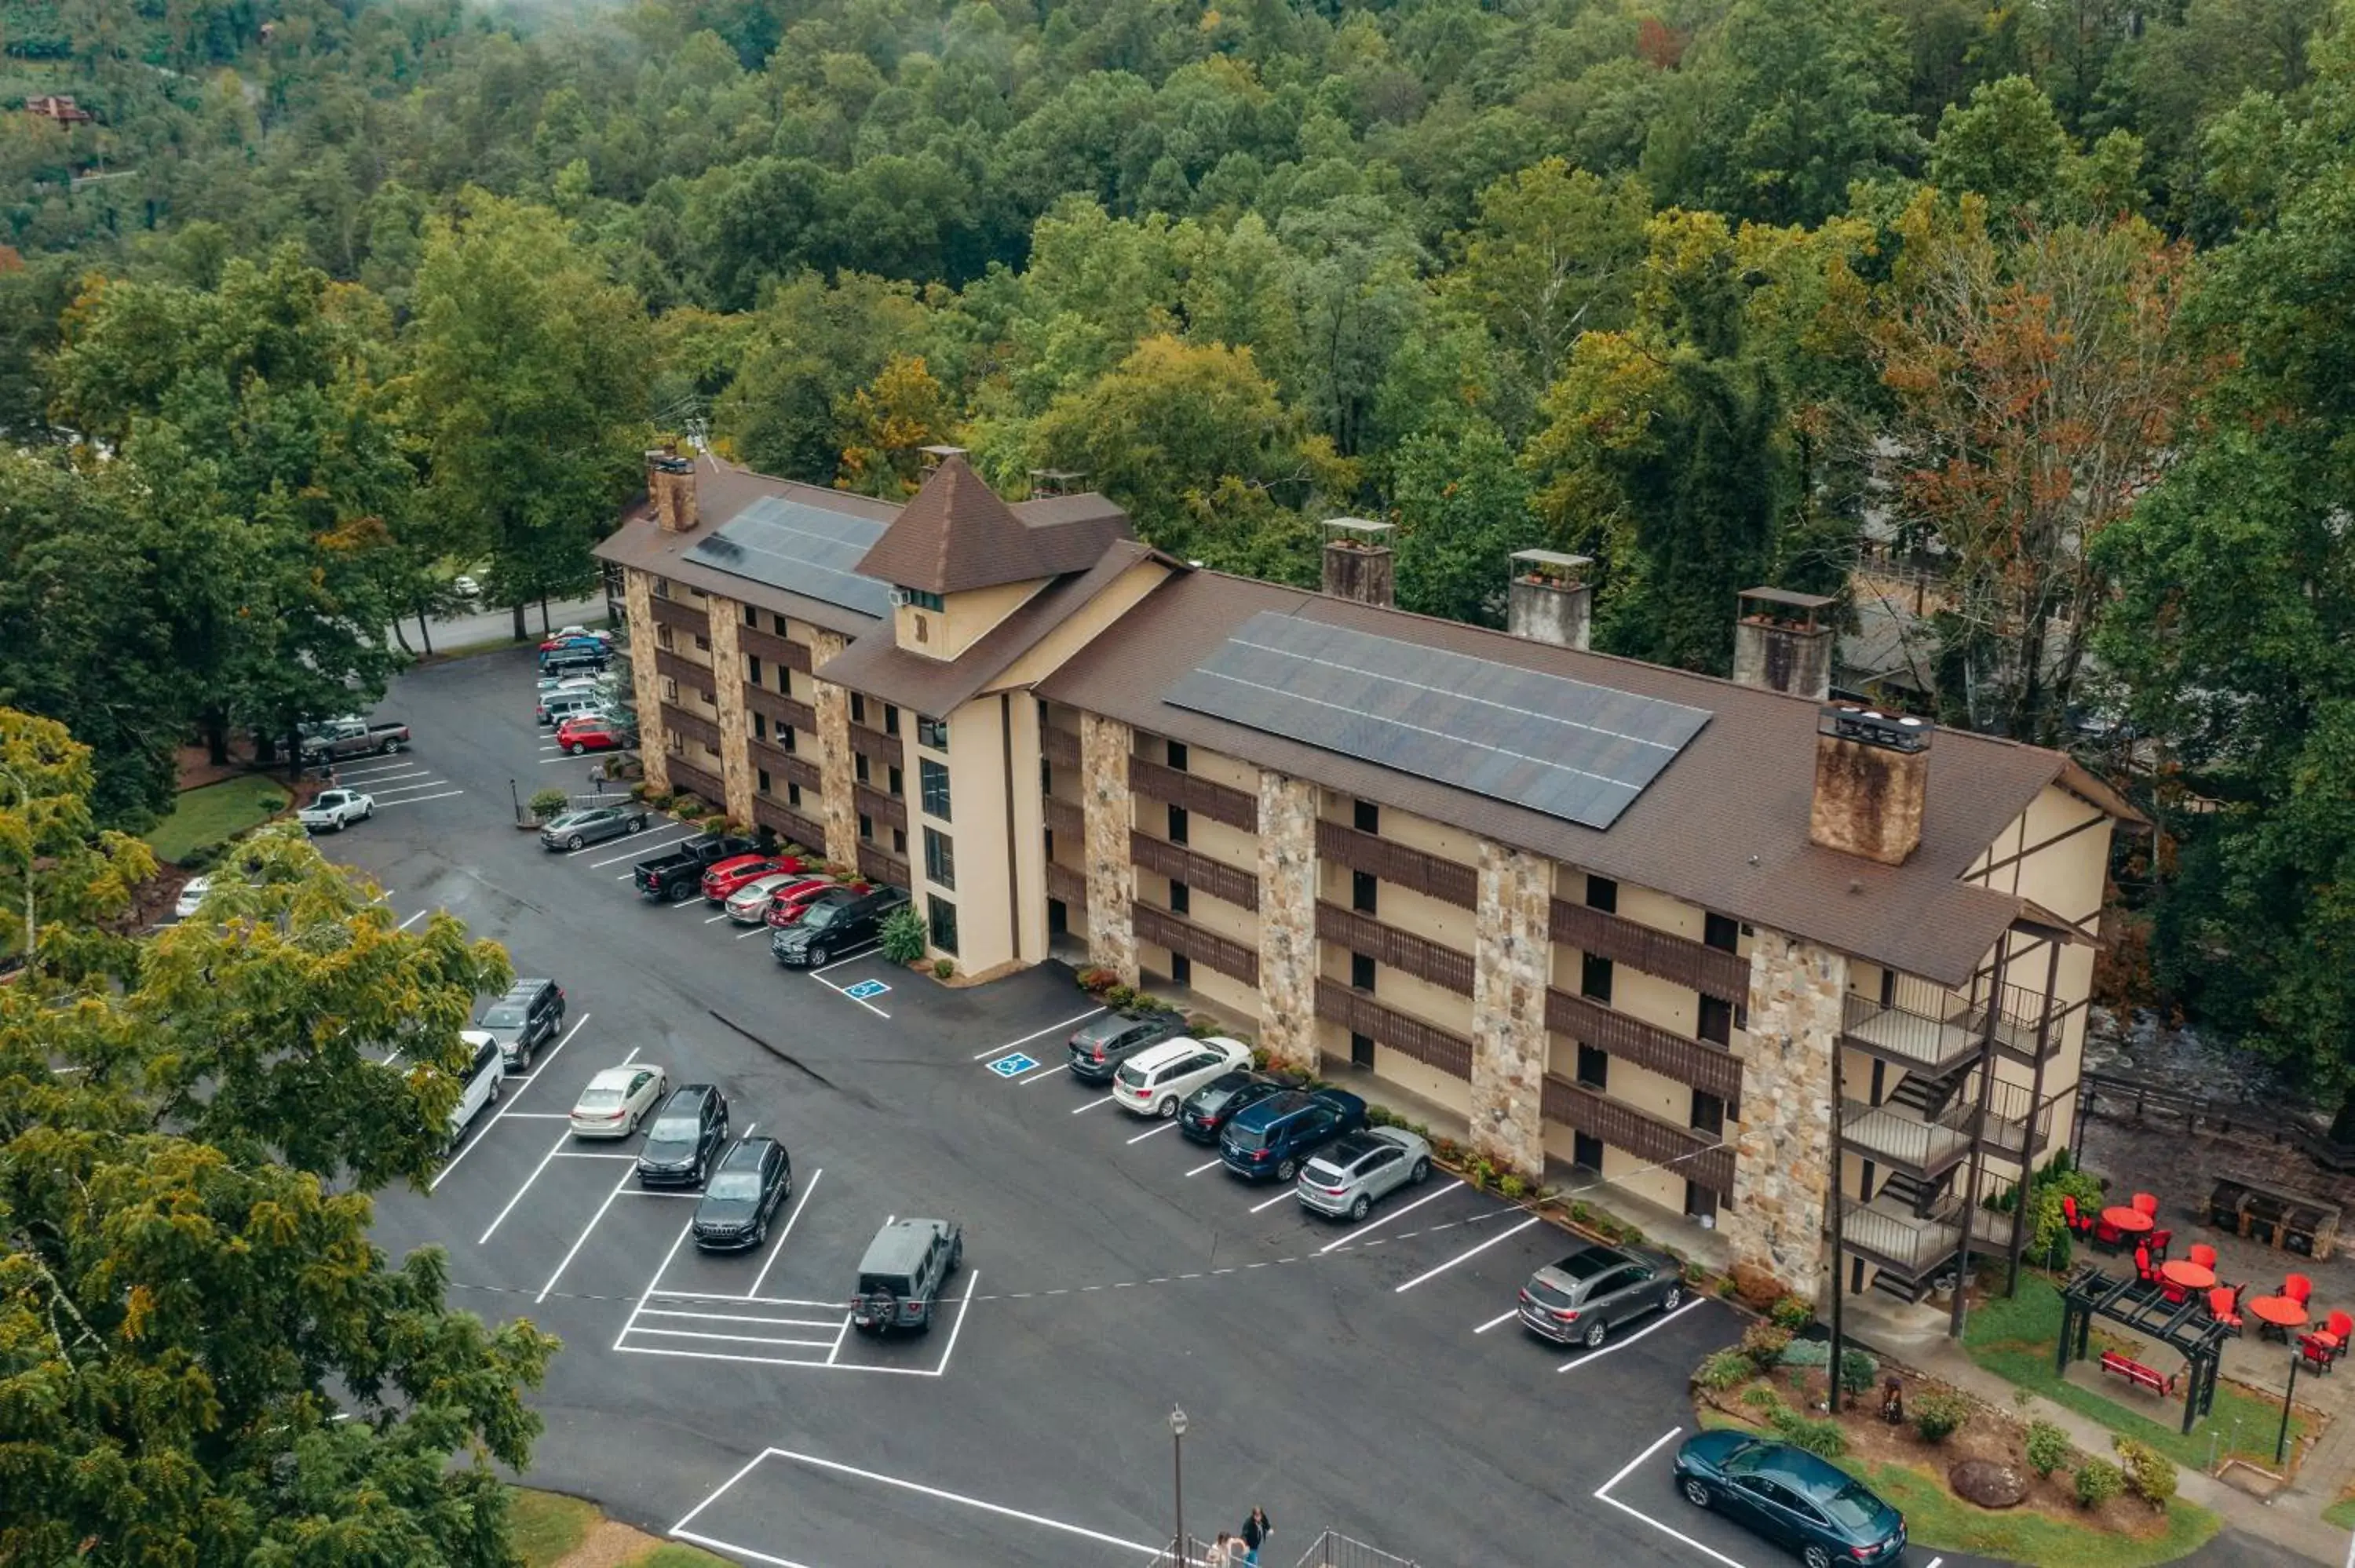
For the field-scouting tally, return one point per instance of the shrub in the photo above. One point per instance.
(686, 808)
(1512, 1188)
(1724, 1369)
(1821, 1437)
(2098, 1481)
(1120, 997)
(1939, 1414)
(1201, 1025)
(2149, 1474)
(1792, 1312)
(203, 857)
(1260, 1057)
(903, 935)
(1380, 1115)
(1763, 1399)
(1096, 981)
(1859, 1369)
(942, 968)
(547, 803)
(2048, 1446)
(660, 800)
(1764, 1344)
(1806, 1353)
(271, 803)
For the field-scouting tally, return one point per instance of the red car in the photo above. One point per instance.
(593, 732)
(726, 877)
(791, 902)
(577, 637)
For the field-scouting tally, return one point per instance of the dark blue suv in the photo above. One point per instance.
(1272, 1137)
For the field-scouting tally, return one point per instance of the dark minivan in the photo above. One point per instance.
(1272, 1137)
(685, 1137)
(835, 921)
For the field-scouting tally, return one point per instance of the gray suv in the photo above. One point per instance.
(1105, 1040)
(906, 1267)
(1595, 1290)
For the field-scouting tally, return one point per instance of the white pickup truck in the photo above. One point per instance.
(336, 809)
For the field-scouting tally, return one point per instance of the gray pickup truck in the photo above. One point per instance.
(353, 737)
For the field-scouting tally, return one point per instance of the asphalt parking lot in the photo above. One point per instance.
(1367, 1379)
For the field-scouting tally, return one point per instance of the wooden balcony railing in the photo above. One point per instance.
(771, 649)
(678, 719)
(875, 745)
(1065, 820)
(1214, 801)
(877, 864)
(685, 778)
(1696, 1156)
(681, 615)
(789, 824)
(1426, 873)
(1067, 884)
(1060, 746)
(1199, 872)
(690, 675)
(784, 767)
(781, 710)
(1418, 956)
(1360, 1014)
(881, 807)
(1203, 946)
(1711, 971)
(1696, 1062)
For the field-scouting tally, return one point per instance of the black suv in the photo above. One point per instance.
(742, 1196)
(1101, 1045)
(1208, 1109)
(906, 1267)
(527, 1016)
(835, 922)
(685, 1137)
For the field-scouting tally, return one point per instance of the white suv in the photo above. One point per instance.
(1158, 1079)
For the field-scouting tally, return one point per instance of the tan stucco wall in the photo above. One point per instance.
(979, 807)
(966, 619)
(1027, 808)
(1221, 768)
(1434, 919)
(1210, 839)
(637, 599)
(1082, 627)
(1417, 832)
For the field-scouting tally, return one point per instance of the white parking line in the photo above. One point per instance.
(375, 776)
(421, 799)
(1164, 1126)
(852, 959)
(778, 1249)
(558, 757)
(383, 769)
(560, 1046)
(591, 1154)
(1272, 1202)
(505, 1109)
(1389, 1215)
(1010, 1045)
(1213, 1165)
(739, 1339)
(840, 1335)
(1043, 1073)
(379, 795)
(1652, 1327)
(964, 1306)
(749, 1466)
(1467, 1256)
(1505, 1316)
(718, 917)
(755, 931)
(627, 1176)
(562, 1139)
(1603, 1494)
(413, 920)
(1092, 1104)
(739, 1317)
(639, 853)
(844, 993)
(543, 1116)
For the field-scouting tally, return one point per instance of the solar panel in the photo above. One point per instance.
(802, 548)
(1568, 748)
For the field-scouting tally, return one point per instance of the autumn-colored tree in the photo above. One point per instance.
(2037, 385)
(891, 419)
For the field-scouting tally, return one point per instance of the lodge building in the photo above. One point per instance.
(1606, 915)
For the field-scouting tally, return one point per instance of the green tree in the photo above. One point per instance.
(188, 1293)
(2008, 145)
(1554, 253)
(807, 350)
(1462, 507)
(529, 393)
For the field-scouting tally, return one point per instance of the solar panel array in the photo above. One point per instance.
(801, 548)
(1573, 750)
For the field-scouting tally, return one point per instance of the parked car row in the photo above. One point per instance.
(813, 918)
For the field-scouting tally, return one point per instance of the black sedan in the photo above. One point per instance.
(752, 1179)
(685, 1137)
(1792, 1498)
(1208, 1109)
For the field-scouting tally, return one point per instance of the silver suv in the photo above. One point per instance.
(1595, 1290)
(906, 1268)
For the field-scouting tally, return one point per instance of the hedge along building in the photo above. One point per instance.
(1611, 915)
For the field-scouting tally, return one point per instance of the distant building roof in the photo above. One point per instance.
(956, 534)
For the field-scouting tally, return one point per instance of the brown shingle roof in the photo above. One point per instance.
(1725, 826)
(957, 535)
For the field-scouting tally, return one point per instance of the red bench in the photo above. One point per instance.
(2135, 1372)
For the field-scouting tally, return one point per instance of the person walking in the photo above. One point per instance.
(1221, 1553)
(1257, 1528)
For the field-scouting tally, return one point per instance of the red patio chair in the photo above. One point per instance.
(2202, 1253)
(2174, 1295)
(2337, 1331)
(2079, 1224)
(2158, 1241)
(2299, 1289)
(2317, 1351)
(2147, 1203)
(2144, 1267)
(2224, 1305)
(2108, 1236)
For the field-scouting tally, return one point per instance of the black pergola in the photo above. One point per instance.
(2183, 1326)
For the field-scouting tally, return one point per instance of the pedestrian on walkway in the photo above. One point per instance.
(1222, 1552)
(1256, 1530)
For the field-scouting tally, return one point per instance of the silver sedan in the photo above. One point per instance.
(617, 1099)
(1347, 1176)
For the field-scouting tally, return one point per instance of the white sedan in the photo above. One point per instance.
(749, 904)
(336, 809)
(1156, 1080)
(617, 1099)
(192, 895)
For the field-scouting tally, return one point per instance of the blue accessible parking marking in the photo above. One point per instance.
(1008, 1067)
(865, 990)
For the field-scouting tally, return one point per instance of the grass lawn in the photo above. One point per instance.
(2341, 1513)
(673, 1556)
(214, 812)
(547, 1525)
(2014, 1340)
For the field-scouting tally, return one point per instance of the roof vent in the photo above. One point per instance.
(1358, 561)
(1549, 599)
(1780, 644)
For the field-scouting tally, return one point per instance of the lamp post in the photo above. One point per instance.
(1177, 1476)
(515, 799)
(2281, 1444)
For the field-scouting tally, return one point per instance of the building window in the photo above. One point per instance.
(1361, 1051)
(1586, 1152)
(1178, 756)
(760, 727)
(1181, 969)
(859, 767)
(793, 795)
(751, 618)
(943, 924)
(752, 668)
(1361, 892)
(939, 858)
(932, 780)
(890, 719)
(761, 776)
(785, 680)
(1594, 977)
(1367, 817)
(1723, 932)
(857, 708)
(662, 587)
(1602, 894)
(1177, 824)
(1362, 971)
(898, 783)
(923, 600)
(670, 690)
(784, 736)
(1181, 898)
(1046, 777)
(1593, 1067)
(1051, 843)
(865, 828)
(777, 623)
(1707, 1114)
(1700, 1202)
(933, 731)
(708, 699)
(1716, 1020)
(663, 639)
(702, 643)
(675, 743)
(899, 841)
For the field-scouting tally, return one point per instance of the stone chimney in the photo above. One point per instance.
(1872, 778)
(1780, 643)
(1357, 560)
(670, 485)
(1549, 599)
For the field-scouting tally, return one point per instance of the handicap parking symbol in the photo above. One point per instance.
(865, 990)
(1009, 1067)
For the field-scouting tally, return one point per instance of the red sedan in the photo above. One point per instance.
(791, 902)
(726, 877)
(593, 732)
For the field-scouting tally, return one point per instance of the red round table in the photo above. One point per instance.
(2189, 1275)
(2279, 1314)
(2126, 1218)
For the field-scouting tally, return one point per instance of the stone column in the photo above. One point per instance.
(1512, 952)
(1782, 1145)
(1288, 920)
(837, 808)
(638, 601)
(728, 697)
(1108, 813)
